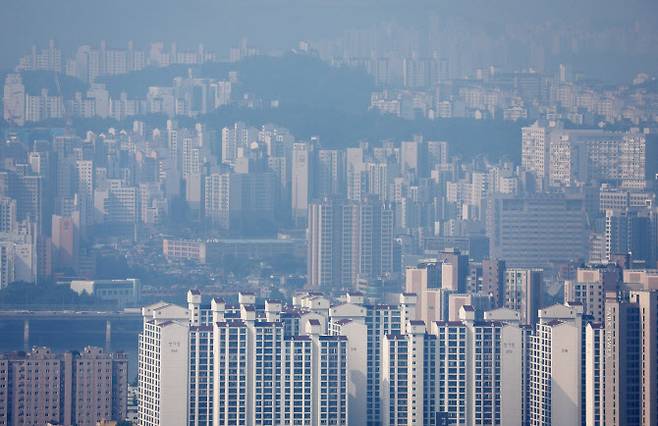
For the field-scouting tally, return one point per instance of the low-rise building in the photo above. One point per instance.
(122, 292)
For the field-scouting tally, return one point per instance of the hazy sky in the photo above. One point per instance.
(219, 24)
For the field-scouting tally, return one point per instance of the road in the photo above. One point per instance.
(68, 314)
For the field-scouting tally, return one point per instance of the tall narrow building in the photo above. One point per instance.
(163, 366)
(523, 293)
(303, 167)
(535, 150)
(556, 375)
(330, 173)
(631, 359)
(379, 320)
(409, 377)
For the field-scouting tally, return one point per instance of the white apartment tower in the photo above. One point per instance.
(163, 366)
(230, 405)
(481, 369)
(262, 378)
(323, 242)
(451, 371)
(594, 374)
(484, 369)
(328, 377)
(297, 396)
(201, 354)
(409, 377)
(356, 333)
(556, 367)
(379, 320)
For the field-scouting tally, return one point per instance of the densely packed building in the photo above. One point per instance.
(82, 388)
(348, 360)
(368, 211)
(436, 290)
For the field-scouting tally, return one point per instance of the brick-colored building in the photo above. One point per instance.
(70, 388)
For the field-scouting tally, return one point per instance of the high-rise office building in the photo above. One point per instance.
(119, 204)
(531, 231)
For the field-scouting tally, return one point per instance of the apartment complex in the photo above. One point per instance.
(79, 388)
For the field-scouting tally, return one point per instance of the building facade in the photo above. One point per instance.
(79, 388)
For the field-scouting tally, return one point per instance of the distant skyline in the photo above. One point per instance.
(220, 25)
(346, 212)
